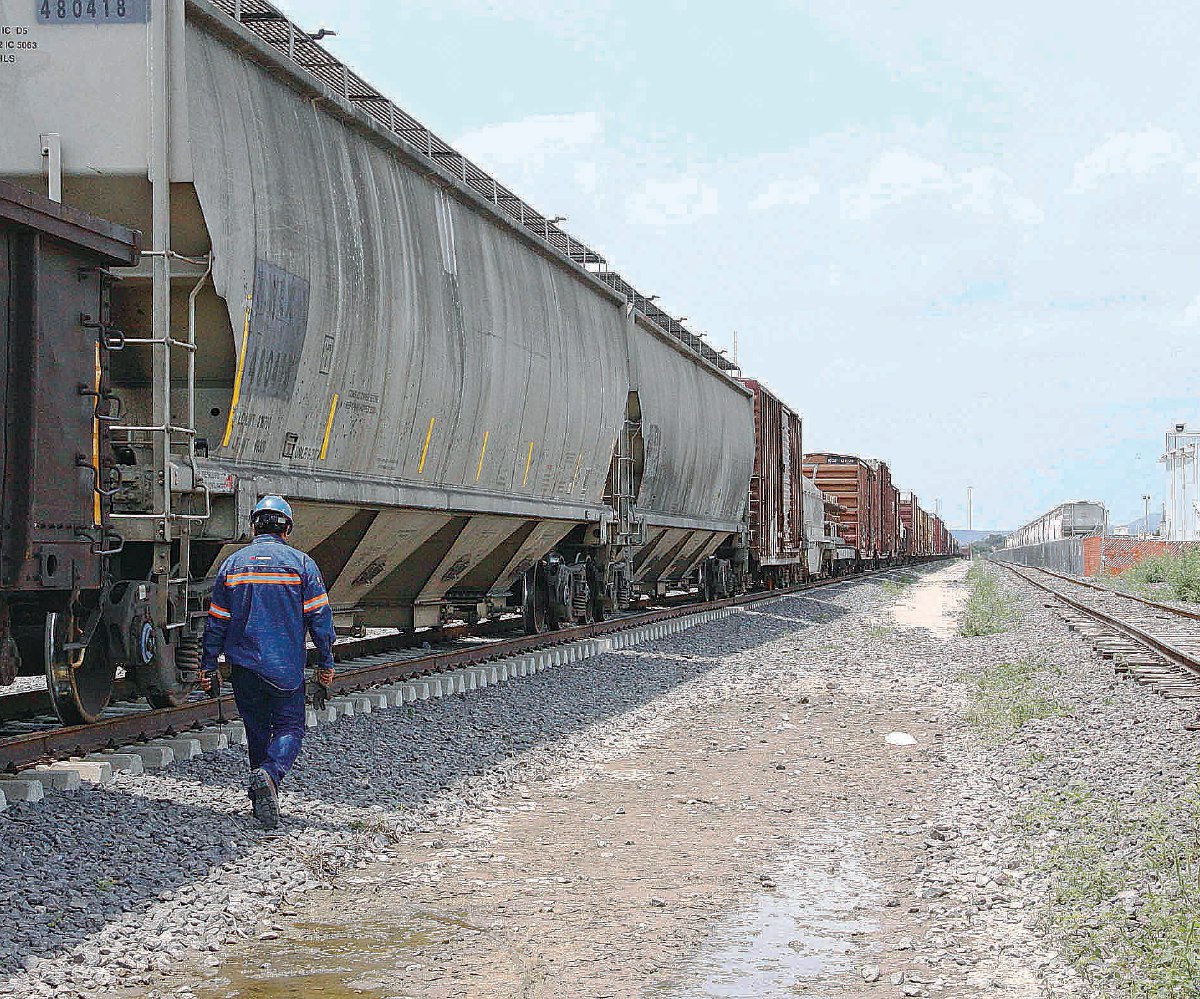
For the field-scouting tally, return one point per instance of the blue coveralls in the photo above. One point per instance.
(264, 598)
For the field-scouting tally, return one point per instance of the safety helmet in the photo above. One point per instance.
(271, 512)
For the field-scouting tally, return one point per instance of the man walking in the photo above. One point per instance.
(265, 597)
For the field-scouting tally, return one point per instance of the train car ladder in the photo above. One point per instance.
(178, 439)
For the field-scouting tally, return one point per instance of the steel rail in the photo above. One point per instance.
(1178, 611)
(19, 752)
(1169, 652)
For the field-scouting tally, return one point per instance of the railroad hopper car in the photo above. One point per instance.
(1074, 519)
(943, 540)
(821, 541)
(465, 408)
(926, 534)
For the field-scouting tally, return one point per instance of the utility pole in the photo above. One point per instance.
(970, 523)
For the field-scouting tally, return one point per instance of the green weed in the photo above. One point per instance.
(1124, 901)
(1005, 697)
(989, 610)
(898, 584)
(1175, 577)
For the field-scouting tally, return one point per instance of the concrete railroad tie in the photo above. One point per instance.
(135, 759)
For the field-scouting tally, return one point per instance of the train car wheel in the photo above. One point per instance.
(533, 606)
(80, 682)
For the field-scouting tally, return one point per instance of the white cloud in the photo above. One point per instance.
(784, 193)
(680, 200)
(531, 141)
(587, 176)
(988, 191)
(1127, 154)
(895, 177)
(898, 176)
(1191, 315)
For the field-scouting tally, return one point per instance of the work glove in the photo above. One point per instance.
(318, 687)
(210, 682)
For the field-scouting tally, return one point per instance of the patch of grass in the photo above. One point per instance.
(1005, 697)
(1177, 575)
(379, 827)
(880, 631)
(1124, 900)
(898, 584)
(989, 609)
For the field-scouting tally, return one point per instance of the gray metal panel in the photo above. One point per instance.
(86, 82)
(1064, 555)
(433, 311)
(698, 430)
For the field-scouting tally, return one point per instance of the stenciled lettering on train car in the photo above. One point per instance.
(370, 572)
(278, 322)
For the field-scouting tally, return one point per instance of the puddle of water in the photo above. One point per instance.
(797, 936)
(331, 961)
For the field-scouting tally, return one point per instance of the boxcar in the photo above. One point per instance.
(776, 522)
(855, 485)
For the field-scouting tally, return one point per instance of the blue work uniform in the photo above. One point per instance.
(265, 597)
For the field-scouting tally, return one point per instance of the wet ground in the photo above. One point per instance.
(741, 844)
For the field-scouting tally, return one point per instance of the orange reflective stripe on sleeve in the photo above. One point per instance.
(220, 612)
(322, 600)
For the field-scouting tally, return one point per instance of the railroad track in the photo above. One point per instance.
(373, 662)
(1155, 644)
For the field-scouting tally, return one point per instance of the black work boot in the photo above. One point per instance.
(263, 798)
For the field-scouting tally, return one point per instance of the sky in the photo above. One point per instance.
(964, 238)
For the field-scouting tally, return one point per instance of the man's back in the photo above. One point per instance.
(267, 593)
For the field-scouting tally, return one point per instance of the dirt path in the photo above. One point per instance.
(934, 602)
(757, 836)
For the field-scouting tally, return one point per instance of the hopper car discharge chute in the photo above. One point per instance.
(466, 409)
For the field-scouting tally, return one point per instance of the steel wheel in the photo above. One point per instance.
(80, 682)
(533, 610)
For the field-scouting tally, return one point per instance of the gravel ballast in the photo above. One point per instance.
(949, 847)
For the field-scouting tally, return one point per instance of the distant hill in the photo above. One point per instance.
(1140, 525)
(969, 537)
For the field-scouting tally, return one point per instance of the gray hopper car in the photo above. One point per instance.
(465, 409)
(1075, 519)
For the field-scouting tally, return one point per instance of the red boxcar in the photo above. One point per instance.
(776, 513)
(887, 498)
(910, 518)
(855, 484)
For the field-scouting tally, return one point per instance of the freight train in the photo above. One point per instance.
(880, 525)
(467, 408)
